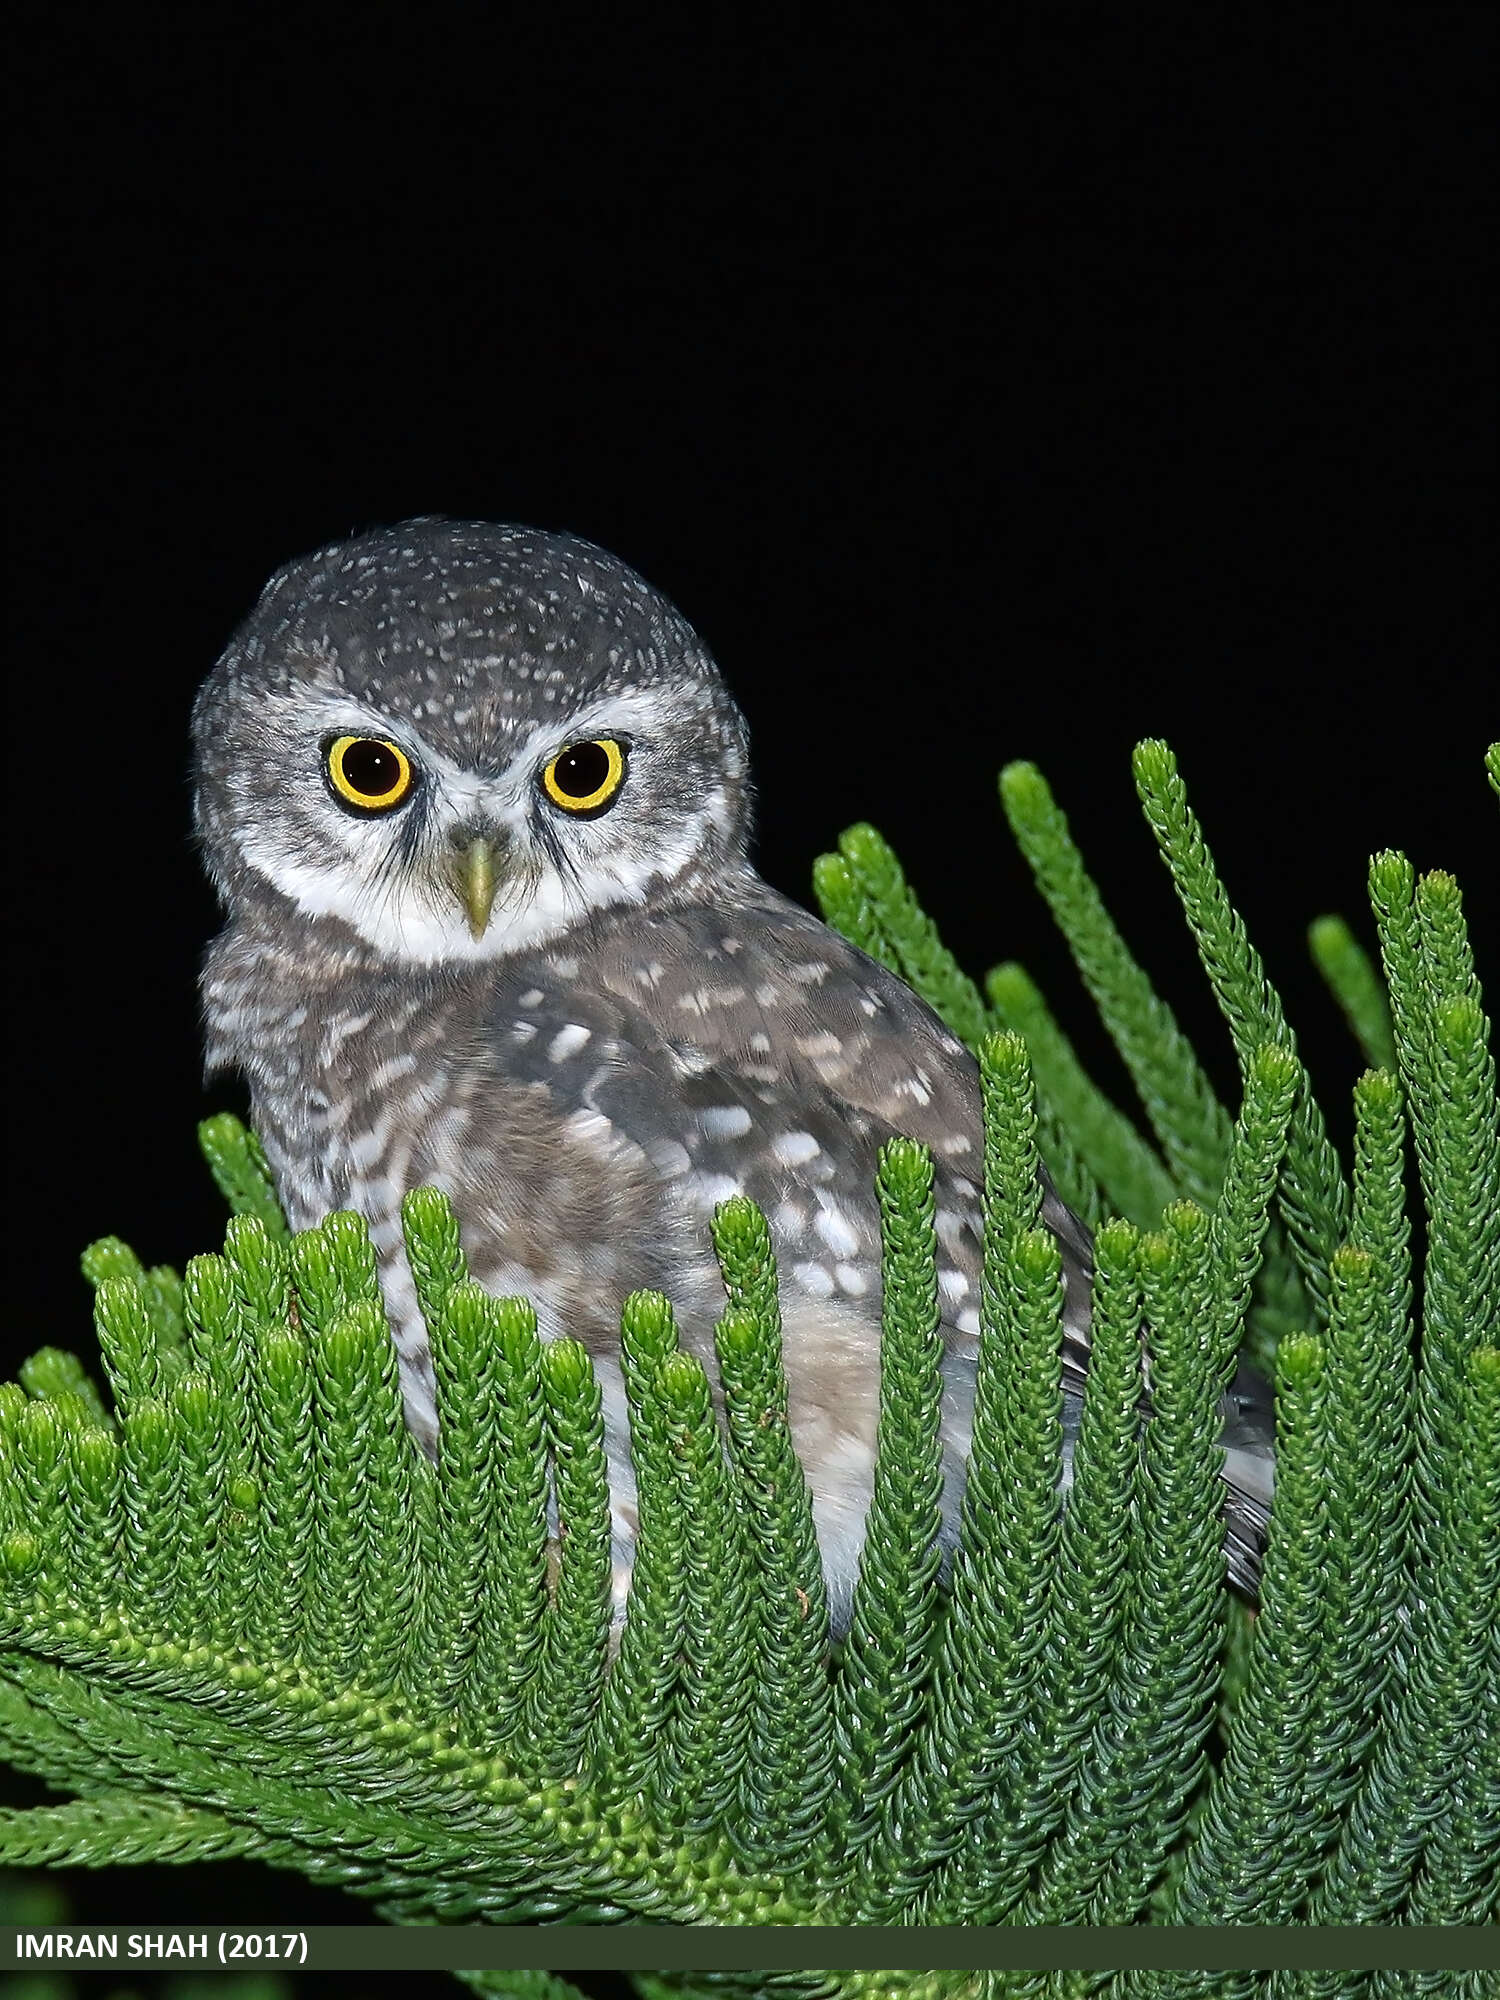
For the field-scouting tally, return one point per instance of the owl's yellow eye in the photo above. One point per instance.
(368, 773)
(585, 777)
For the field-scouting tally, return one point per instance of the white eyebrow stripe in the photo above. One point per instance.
(335, 713)
(640, 708)
(461, 790)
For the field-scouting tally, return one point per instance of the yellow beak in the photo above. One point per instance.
(476, 881)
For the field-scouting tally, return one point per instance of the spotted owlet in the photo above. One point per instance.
(478, 805)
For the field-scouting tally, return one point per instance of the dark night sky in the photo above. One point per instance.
(976, 403)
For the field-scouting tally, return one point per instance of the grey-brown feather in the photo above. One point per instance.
(587, 1099)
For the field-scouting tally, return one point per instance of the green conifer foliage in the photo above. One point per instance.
(886, 1658)
(788, 1774)
(243, 1613)
(1115, 1163)
(575, 1622)
(1355, 985)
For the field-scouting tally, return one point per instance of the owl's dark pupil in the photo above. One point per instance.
(582, 770)
(370, 768)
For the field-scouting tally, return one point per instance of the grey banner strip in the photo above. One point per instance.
(679, 1948)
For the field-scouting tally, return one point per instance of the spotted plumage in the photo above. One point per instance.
(478, 804)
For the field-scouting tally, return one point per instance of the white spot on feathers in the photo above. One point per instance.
(793, 1148)
(818, 1046)
(833, 1226)
(714, 1188)
(814, 1278)
(724, 1121)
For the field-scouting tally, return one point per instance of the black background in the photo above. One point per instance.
(1015, 398)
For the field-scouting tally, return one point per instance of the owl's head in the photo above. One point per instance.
(460, 740)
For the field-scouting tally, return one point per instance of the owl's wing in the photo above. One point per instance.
(747, 1047)
(794, 1057)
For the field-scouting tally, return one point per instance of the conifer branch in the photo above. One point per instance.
(1191, 1126)
(1315, 1201)
(233, 1573)
(882, 1672)
(1355, 984)
(910, 936)
(789, 1767)
(237, 1162)
(1248, 1852)
(1112, 1153)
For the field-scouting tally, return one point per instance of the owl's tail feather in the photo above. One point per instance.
(1248, 1437)
(1249, 1472)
